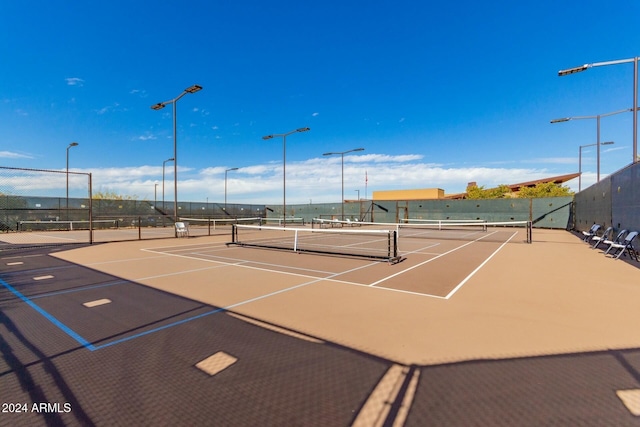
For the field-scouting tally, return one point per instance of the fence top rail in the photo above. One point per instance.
(45, 170)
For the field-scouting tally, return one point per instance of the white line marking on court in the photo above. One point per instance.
(429, 260)
(22, 256)
(15, 263)
(454, 290)
(242, 263)
(265, 263)
(43, 277)
(53, 237)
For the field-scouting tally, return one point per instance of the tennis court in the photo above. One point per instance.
(330, 339)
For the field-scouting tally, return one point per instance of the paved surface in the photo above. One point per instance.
(515, 334)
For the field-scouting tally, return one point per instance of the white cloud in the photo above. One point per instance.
(13, 155)
(74, 81)
(317, 178)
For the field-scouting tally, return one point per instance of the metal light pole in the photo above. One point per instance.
(358, 194)
(73, 144)
(635, 92)
(160, 106)
(580, 161)
(155, 196)
(597, 117)
(225, 188)
(164, 163)
(342, 153)
(284, 168)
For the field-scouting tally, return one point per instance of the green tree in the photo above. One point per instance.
(500, 192)
(545, 189)
(111, 195)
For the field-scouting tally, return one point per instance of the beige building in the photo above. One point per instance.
(419, 194)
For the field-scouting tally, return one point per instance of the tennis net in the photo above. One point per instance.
(371, 244)
(217, 226)
(480, 230)
(66, 225)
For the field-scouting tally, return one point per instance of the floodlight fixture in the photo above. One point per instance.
(635, 108)
(573, 70)
(193, 89)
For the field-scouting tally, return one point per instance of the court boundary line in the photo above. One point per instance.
(429, 260)
(466, 279)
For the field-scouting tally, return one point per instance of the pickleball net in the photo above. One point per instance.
(216, 226)
(464, 230)
(378, 244)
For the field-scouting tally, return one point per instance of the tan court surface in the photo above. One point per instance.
(447, 302)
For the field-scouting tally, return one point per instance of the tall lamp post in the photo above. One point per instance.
(225, 188)
(160, 106)
(163, 164)
(597, 117)
(73, 144)
(342, 153)
(155, 196)
(580, 160)
(635, 92)
(284, 168)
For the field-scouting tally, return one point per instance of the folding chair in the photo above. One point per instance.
(592, 232)
(619, 238)
(608, 233)
(625, 246)
(182, 229)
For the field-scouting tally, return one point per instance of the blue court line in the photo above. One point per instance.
(92, 347)
(49, 317)
(159, 328)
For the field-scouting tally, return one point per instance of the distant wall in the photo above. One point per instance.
(550, 212)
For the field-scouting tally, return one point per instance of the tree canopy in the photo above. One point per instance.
(542, 189)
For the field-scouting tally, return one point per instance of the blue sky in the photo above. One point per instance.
(438, 93)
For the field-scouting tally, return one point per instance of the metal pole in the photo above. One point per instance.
(598, 145)
(342, 156)
(67, 206)
(175, 165)
(580, 169)
(635, 110)
(284, 180)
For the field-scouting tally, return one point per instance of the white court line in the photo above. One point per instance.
(429, 260)
(54, 237)
(241, 265)
(454, 290)
(263, 263)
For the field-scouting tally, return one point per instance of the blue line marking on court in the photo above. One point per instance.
(64, 328)
(93, 347)
(159, 328)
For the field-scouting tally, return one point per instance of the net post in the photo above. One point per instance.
(295, 241)
(234, 233)
(529, 231)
